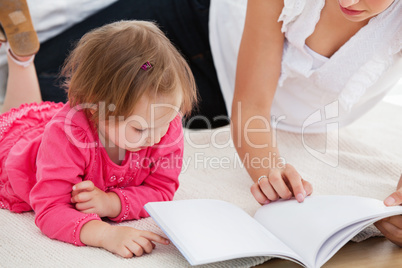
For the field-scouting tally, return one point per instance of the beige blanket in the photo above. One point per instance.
(364, 159)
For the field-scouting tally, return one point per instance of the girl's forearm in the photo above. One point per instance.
(93, 233)
(114, 205)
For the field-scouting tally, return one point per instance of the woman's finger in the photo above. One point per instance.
(279, 186)
(399, 183)
(258, 194)
(390, 231)
(396, 221)
(266, 187)
(394, 199)
(307, 187)
(295, 181)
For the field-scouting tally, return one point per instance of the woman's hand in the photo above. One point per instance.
(281, 183)
(90, 199)
(391, 227)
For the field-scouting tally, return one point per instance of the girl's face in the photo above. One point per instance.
(148, 124)
(361, 10)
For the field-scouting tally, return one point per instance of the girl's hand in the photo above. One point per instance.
(127, 242)
(90, 199)
(391, 227)
(281, 183)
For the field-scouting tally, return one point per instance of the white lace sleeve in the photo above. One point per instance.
(396, 47)
(377, 57)
(290, 11)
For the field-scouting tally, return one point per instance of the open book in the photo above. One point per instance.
(309, 233)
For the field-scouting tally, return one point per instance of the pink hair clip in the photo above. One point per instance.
(146, 66)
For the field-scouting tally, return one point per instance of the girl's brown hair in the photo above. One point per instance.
(105, 66)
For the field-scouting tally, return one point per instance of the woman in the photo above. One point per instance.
(297, 57)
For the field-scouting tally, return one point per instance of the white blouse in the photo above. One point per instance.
(315, 92)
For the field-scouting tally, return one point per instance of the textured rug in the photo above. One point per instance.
(363, 159)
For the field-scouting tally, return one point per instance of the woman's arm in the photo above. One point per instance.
(258, 71)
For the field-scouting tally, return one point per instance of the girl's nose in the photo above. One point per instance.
(156, 138)
(348, 3)
(153, 139)
(148, 141)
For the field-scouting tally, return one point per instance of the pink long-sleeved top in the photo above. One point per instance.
(43, 171)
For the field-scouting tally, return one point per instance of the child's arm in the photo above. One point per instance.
(391, 227)
(60, 165)
(122, 240)
(90, 199)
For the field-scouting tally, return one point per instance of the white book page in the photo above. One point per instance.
(339, 239)
(336, 241)
(305, 227)
(207, 230)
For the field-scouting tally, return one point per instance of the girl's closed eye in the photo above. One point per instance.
(139, 130)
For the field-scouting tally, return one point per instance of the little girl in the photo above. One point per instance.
(116, 145)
